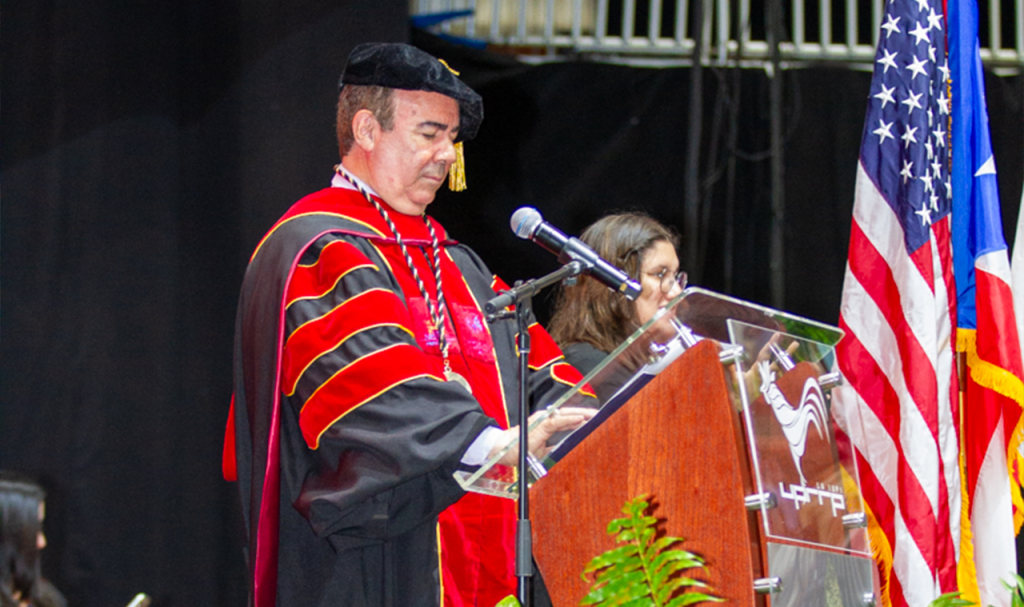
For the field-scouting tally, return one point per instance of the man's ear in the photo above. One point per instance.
(365, 129)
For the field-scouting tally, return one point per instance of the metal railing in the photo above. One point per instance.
(732, 32)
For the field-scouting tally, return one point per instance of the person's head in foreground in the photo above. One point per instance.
(22, 510)
(590, 312)
(402, 114)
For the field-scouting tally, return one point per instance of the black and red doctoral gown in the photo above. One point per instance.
(347, 434)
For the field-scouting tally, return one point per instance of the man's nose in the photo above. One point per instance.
(446, 153)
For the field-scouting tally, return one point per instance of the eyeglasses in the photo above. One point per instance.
(669, 279)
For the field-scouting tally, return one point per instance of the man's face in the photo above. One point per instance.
(410, 162)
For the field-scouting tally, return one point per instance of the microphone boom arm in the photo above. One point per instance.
(531, 287)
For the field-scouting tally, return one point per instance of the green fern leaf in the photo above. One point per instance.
(621, 554)
(617, 525)
(683, 557)
(666, 591)
(660, 577)
(640, 602)
(1016, 590)
(950, 599)
(667, 541)
(618, 571)
(693, 597)
(642, 571)
(618, 591)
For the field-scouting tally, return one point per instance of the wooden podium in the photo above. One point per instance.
(679, 440)
(705, 447)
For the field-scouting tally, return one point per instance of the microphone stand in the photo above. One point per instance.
(521, 297)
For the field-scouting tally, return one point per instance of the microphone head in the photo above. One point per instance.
(525, 221)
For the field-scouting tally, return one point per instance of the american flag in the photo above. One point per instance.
(898, 310)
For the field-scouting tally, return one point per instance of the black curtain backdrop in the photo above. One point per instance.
(147, 148)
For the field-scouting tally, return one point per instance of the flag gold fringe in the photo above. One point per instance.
(993, 377)
(881, 551)
(1016, 460)
(966, 572)
(986, 374)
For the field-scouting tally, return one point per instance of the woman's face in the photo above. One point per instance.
(658, 270)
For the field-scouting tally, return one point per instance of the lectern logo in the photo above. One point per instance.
(795, 421)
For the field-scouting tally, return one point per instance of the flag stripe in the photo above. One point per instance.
(949, 393)
(884, 493)
(882, 419)
(912, 362)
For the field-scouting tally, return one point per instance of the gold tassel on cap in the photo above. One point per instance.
(457, 173)
(445, 63)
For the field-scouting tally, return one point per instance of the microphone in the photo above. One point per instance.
(528, 224)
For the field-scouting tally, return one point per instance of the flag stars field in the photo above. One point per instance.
(917, 67)
(921, 33)
(891, 25)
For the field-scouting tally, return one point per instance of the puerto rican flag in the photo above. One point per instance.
(986, 335)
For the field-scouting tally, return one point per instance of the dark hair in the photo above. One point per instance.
(352, 98)
(590, 312)
(20, 498)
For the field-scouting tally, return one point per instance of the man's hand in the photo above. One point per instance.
(563, 419)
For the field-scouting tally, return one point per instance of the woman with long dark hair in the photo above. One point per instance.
(22, 509)
(590, 320)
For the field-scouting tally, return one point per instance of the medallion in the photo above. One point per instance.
(450, 375)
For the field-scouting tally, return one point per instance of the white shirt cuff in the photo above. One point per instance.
(478, 451)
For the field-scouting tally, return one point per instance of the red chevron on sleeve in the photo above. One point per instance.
(361, 381)
(543, 349)
(337, 259)
(310, 341)
(567, 374)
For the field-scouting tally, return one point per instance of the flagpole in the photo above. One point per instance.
(777, 252)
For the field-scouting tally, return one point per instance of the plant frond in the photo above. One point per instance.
(665, 591)
(693, 597)
(621, 554)
(667, 541)
(684, 557)
(643, 571)
(1016, 590)
(950, 599)
(617, 591)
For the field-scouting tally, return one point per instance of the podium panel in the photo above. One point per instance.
(678, 440)
(801, 463)
(819, 578)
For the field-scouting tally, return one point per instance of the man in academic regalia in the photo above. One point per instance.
(366, 373)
